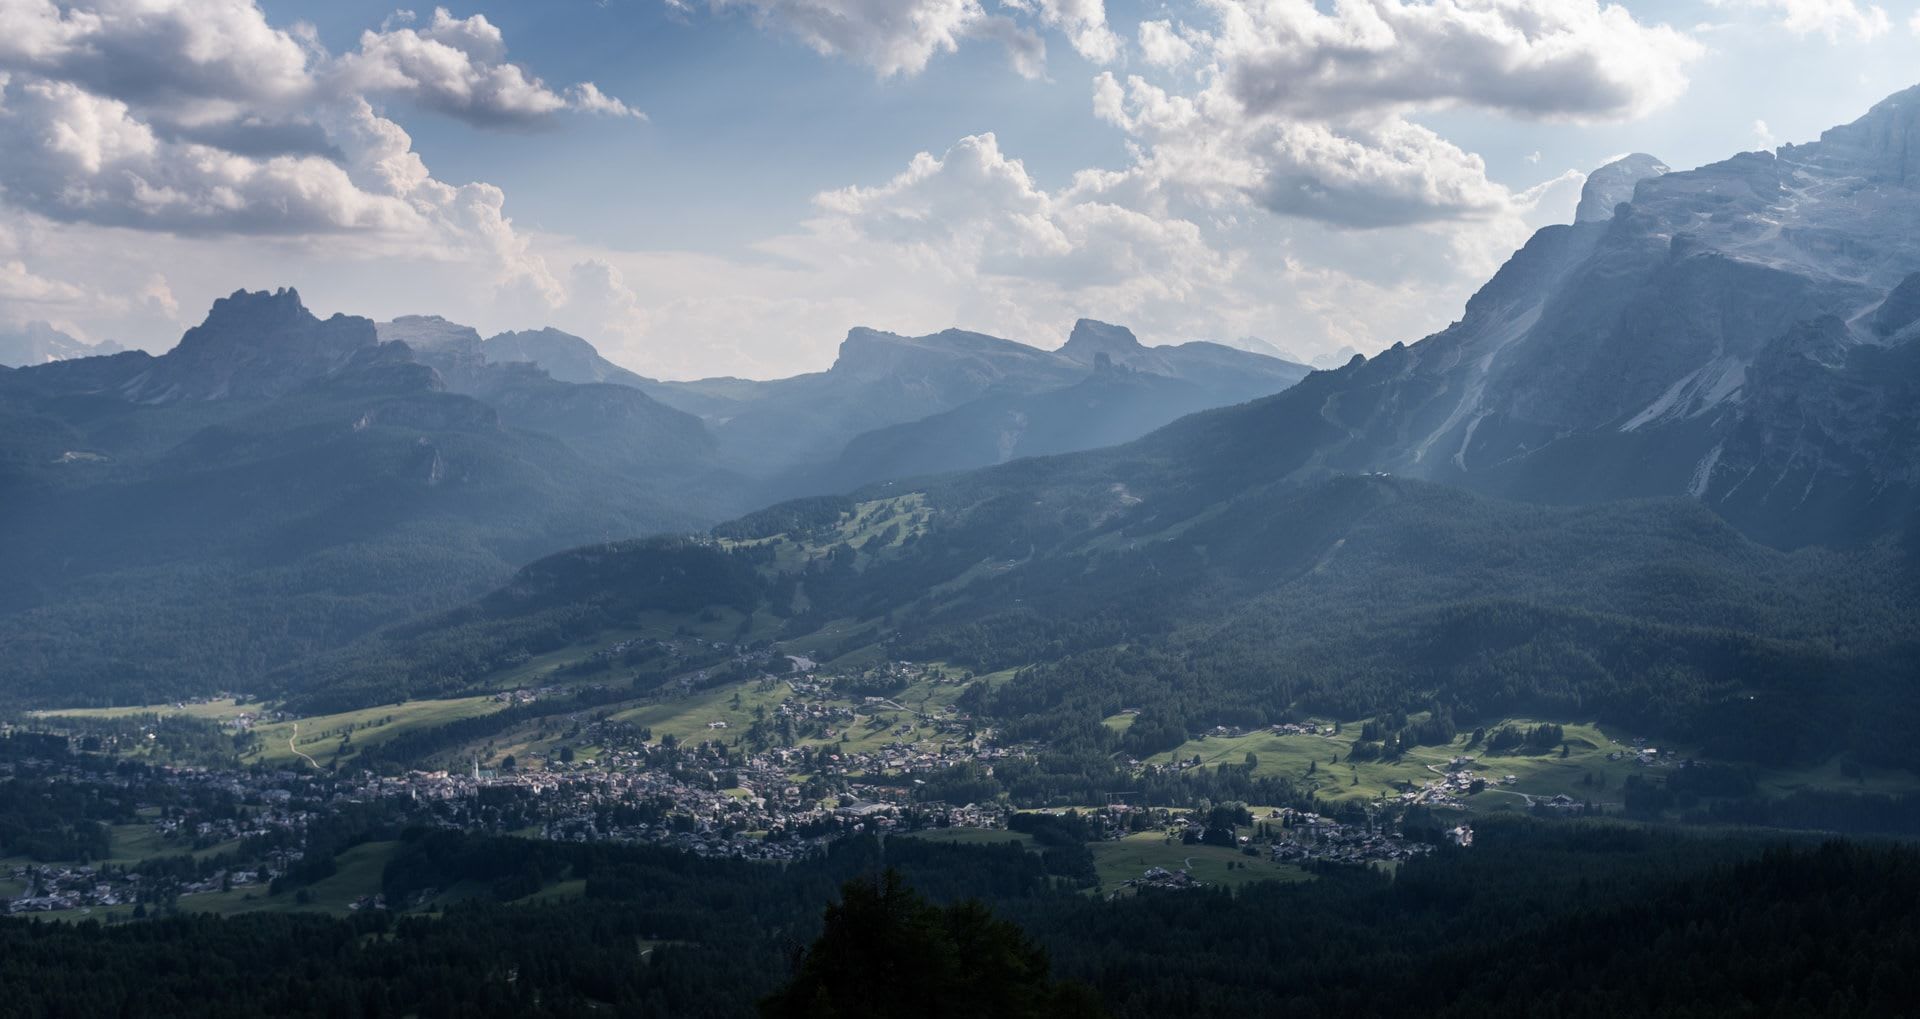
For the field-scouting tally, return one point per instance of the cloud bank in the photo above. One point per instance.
(899, 38)
(202, 119)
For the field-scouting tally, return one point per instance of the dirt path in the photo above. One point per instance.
(296, 750)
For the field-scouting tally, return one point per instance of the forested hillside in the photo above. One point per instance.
(1129, 579)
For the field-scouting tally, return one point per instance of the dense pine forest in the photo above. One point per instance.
(1568, 918)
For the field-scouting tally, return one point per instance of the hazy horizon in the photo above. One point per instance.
(1193, 170)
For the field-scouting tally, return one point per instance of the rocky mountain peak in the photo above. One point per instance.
(545, 342)
(1090, 338)
(871, 353)
(1612, 184)
(451, 349)
(253, 343)
(427, 332)
(257, 308)
(566, 357)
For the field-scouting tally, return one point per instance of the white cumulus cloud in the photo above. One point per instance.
(1561, 59)
(1084, 22)
(458, 66)
(1163, 45)
(1305, 112)
(1373, 172)
(201, 118)
(21, 284)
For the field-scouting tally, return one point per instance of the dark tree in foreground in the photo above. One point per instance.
(888, 952)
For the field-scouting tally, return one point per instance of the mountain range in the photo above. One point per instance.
(1660, 472)
(278, 484)
(894, 406)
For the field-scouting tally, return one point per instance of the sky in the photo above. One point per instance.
(725, 187)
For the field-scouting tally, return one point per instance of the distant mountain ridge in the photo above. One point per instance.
(40, 343)
(961, 392)
(883, 380)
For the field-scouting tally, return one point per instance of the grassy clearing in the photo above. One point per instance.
(133, 843)
(869, 519)
(1312, 761)
(320, 736)
(821, 643)
(359, 875)
(686, 718)
(858, 528)
(1121, 861)
(557, 892)
(219, 710)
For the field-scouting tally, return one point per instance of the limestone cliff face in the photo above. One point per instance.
(1741, 333)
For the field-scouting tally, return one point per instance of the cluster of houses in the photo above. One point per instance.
(54, 887)
(511, 698)
(1641, 754)
(1301, 729)
(1163, 879)
(1306, 837)
(1306, 728)
(211, 811)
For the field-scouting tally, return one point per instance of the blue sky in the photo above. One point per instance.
(1318, 176)
(745, 126)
